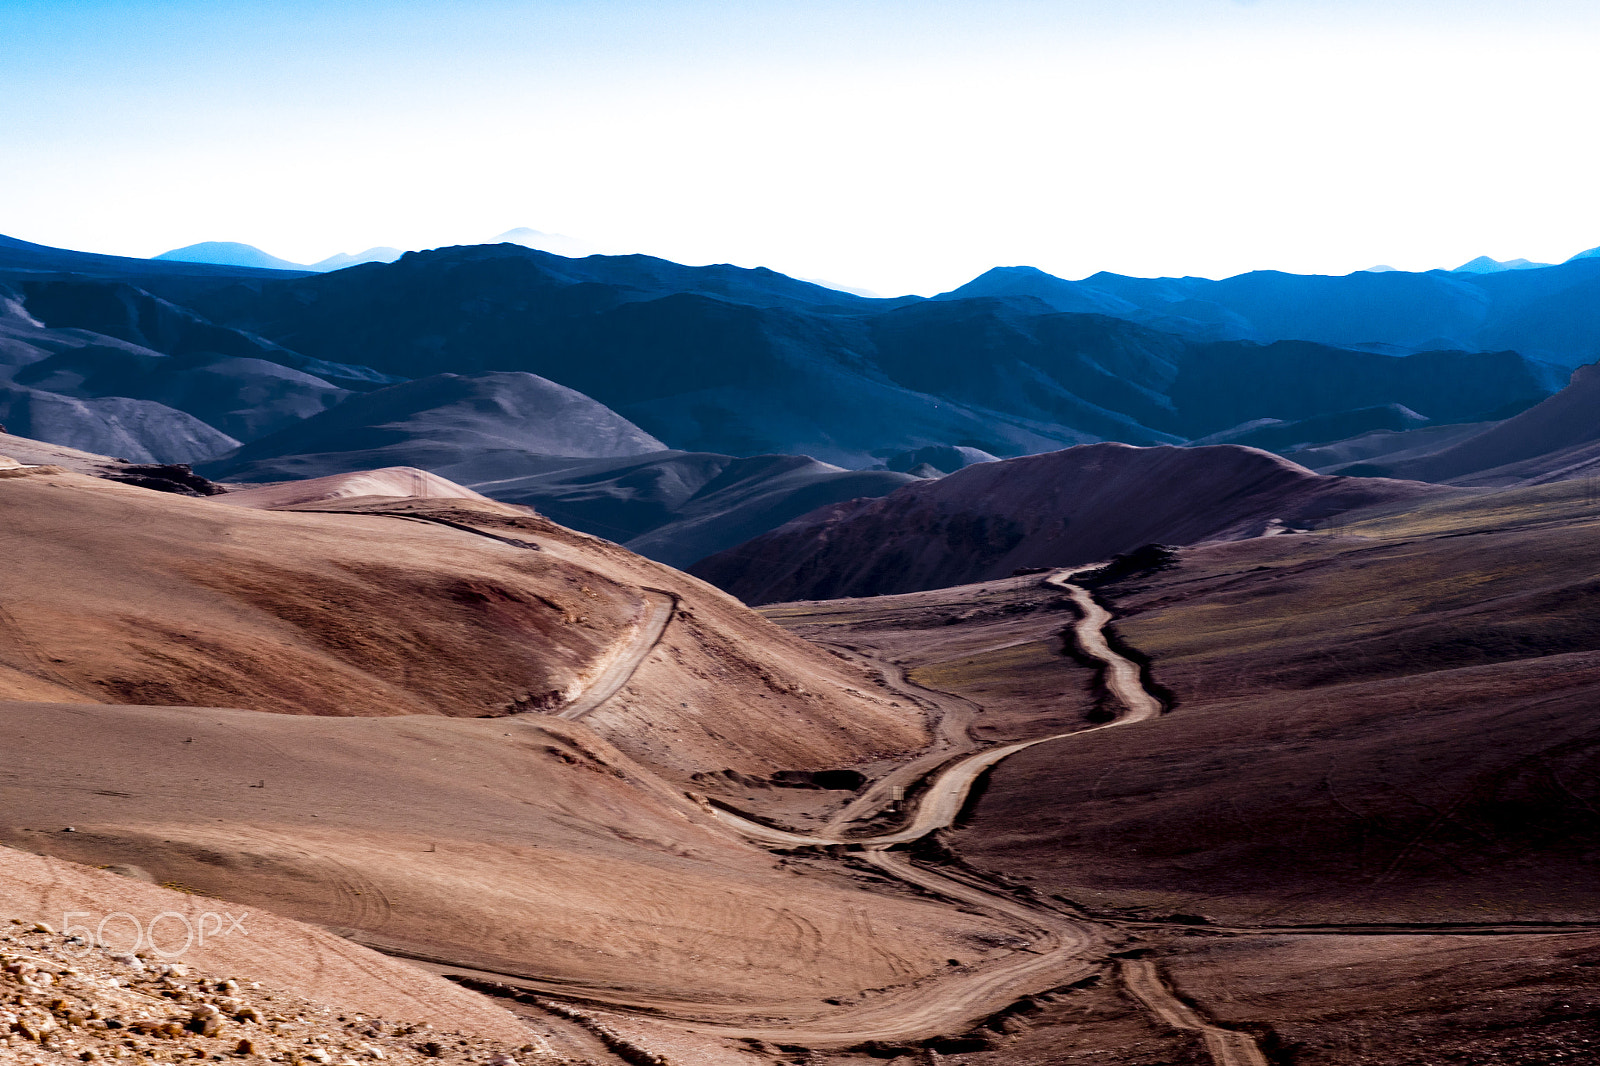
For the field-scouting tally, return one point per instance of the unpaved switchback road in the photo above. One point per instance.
(1062, 948)
(948, 793)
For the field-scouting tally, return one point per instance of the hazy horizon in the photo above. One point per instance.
(895, 147)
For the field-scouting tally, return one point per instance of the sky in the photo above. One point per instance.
(896, 146)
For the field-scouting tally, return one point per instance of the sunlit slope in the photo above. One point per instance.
(284, 956)
(121, 595)
(522, 846)
(312, 712)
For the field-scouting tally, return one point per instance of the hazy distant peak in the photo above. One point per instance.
(371, 255)
(1381, 268)
(229, 253)
(554, 243)
(1592, 253)
(1484, 265)
(1059, 293)
(836, 287)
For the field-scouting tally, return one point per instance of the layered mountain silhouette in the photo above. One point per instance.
(1543, 313)
(738, 361)
(231, 253)
(1557, 440)
(1484, 265)
(682, 409)
(679, 507)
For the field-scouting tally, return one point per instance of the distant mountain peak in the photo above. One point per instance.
(1592, 253)
(229, 253)
(1484, 265)
(1057, 292)
(371, 255)
(232, 253)
(554, 243)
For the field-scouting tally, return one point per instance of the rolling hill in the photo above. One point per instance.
(1062, 508)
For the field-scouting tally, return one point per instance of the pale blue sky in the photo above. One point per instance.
(895, 145)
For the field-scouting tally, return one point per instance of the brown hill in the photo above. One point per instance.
(118, 594)
(390, 481)
(525, 846)
(368, 772)
(1556, 439)
(1056, 509)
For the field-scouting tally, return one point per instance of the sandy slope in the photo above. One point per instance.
(398, 481)
(382, 802)
(38, 453)
(524, 846)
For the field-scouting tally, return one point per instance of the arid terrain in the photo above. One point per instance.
(1320, 806)
(1123, 814)
(799, 534)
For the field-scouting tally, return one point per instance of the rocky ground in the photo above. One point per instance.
(62, 998)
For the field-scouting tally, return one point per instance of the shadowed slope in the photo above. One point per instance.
(1056, 509)
(1556, 439)
(679, 507)
(475, 426)
(1390, 726)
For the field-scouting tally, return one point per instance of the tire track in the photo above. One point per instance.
(1227, 1047)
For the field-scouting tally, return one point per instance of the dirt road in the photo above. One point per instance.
(955, 715)
(627, 656)
(1060, 949)
(1227, 1047)
(945, 798)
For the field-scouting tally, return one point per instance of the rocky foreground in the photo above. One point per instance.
(62, 998)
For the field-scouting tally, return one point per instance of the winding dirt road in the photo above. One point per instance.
(956, 714)
(948, 793)
(1061, 948)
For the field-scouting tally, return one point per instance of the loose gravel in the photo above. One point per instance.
(62, 998)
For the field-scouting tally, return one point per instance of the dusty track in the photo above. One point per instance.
(618, 670)
(956, 714)
(945, 797)
(1227, 1047)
